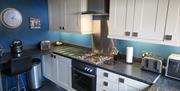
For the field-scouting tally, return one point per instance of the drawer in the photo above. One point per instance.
(99, 88)
(106, 85)
(107, 75)
(134, 83)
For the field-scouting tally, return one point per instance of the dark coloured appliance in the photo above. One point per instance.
(83, 76)
(97, 7)
(16, 47)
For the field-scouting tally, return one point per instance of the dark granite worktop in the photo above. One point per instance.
(133, 71)
(129, 70)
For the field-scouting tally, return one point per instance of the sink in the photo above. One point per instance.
(17, 65)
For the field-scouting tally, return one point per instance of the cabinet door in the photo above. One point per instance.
(50, 67)
(64, 72)
(47, 63)
(122, 87)
(118, 17)
(56, 9)
(150, 18)
(73, 15)
(173, 23)
(54, 67)
(122, 17)
(129, 88)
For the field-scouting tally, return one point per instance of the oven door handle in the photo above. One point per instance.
(86, 74)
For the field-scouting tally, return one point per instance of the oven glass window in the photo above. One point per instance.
(82, 82)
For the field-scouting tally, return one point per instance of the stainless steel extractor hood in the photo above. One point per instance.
(97, 7)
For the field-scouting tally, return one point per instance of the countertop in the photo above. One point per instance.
(132, 71)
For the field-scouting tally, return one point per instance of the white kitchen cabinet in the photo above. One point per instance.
(64, 72)
(58, 69)
(117, 17)
(50, 67)
(129, 88)
(172, 33)
(142, 19)
(57, 16)
(124, 87)
(65, 15)
(113, 82)
(108, 85)
(150, 19)
(121, 17)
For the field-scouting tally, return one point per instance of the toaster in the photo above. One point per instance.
(151, 64)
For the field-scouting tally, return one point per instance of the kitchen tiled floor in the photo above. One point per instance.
(49, 86)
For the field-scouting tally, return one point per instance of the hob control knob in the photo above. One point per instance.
(85, 68)
(88, 69)
(91, 70)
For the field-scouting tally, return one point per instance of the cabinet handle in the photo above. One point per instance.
(168, 37)
(60, 28)
(121, 80)
(105, 74)
(52, 55)
(104, 90)
(135, 34)
(105, 83)
(63, 28)
(127, 33)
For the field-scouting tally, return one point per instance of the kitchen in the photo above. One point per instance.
(90, 45)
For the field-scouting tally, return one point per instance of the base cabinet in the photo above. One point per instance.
(107, 81)
(50, 67)
(64, 72)
(58, 69)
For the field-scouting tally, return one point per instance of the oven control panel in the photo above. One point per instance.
(88, 68)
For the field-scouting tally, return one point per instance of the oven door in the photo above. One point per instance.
(82, 81)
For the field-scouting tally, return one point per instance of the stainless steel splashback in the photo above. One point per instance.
(101, 43)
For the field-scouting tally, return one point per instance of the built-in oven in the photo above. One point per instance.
(83, 76)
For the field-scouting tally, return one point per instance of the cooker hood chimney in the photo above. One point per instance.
(97, 7)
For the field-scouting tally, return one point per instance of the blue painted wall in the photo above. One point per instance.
(28, 8)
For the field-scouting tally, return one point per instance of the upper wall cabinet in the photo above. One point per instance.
(121, 17)
(57, 16)
(150, 19)
(65, 15)
(154, 21)
(142, 19)
(172, 33)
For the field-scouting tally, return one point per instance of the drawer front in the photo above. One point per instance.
(134, 83)
(107, 75)
(107, 85)
(100, 88)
